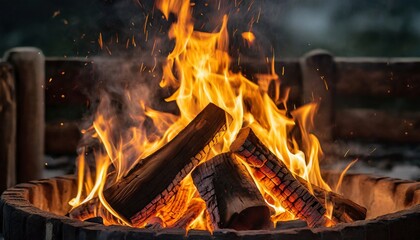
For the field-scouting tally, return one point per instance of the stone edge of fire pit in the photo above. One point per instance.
(21, 217)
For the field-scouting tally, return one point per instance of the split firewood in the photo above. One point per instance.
(183, 208)
(187, 214)
(277, 179)
(232, 198)
(92, 209)
(153, 182)
(150, 184)
(194, 210)
(344, 210)
(86, 210)
(176, 212)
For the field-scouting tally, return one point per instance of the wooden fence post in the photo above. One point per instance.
(29, 67)
(318, 79)
(7, 127)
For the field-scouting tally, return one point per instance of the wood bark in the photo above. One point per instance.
(151, 183)
(7, 127)
(180, 211)
(29, 67)
(92, 209)
(232, 198)
(86, 210)
(277, 179)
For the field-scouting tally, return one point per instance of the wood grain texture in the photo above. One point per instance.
(151, 183)
(277, 179)
(232, 198)
(29, 67)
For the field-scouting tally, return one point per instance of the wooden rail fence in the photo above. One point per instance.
(42, 100)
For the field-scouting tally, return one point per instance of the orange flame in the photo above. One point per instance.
(248, 36)
(100, 41)
(198, 67)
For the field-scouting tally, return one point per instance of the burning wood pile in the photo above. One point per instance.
(224, 182)
(232, 159)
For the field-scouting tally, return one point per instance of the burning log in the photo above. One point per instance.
(85, 211)
(193, 212)
(90, 210)
(178, 213)
(150, 184)
(232, 198)
(277, 179)
(267, 166)
(344, 210)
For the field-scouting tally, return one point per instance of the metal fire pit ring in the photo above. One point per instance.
(36, 210)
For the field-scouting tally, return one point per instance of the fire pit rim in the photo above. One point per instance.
(16, 207)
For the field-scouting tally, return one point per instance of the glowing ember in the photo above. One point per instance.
(198, 67)
(249, 36)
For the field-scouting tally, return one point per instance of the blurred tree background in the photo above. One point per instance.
(292, 27)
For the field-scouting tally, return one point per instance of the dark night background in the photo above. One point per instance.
(292, 27)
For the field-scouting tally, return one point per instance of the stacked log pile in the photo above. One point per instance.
(227, 186)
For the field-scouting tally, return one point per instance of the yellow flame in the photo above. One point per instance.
(80, 180)
(199, 68)
(340, 180)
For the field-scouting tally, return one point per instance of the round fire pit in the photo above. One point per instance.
(36, 210)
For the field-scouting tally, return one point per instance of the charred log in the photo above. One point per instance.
(183, 208)
(149, 185)
(86, 210)
(232, 198)
(277, 179)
